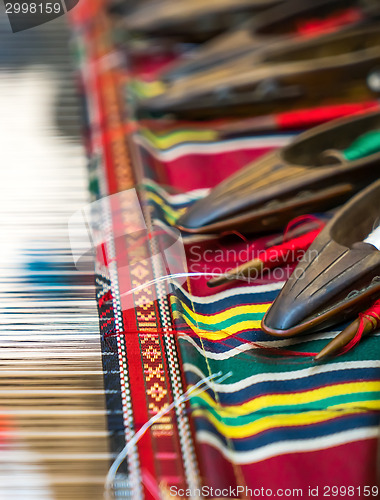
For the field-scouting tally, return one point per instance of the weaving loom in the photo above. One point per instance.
(53, 431)
(169, 388)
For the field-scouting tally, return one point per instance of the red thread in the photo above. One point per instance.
(305, 118)
(259, 349)
(300, 220)
(289, 251)
(104, 253)
(313, 27)
(372, 315)
(136, 244)
(227, 233)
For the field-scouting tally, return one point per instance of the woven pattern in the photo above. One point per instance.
(273, 420)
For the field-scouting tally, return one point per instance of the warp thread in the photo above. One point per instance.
(193, 391)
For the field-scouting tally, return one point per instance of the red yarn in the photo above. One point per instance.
(373, 315)
(313, 27)
(309, 218)
(289, 251)
(136, 244)
(236, 233)
(306, 118)
(259, 349)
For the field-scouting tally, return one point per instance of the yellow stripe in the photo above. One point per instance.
(299, 398)
(218, 334)
(273, 421)
(148, 89)
(211, 319)
(369, 405)
(174, 214)
(168, 141)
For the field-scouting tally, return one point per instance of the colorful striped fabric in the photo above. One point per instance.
(264, 419)
(271, 404)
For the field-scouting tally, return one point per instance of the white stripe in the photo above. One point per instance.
(211, 148)
(233, 292)
(287, 447)
(176, 199)
(220, 356)
(245, 346)
(293, 375)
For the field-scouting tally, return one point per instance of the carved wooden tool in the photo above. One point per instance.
(364, 325)
(286, 76)
(194, 20)
(339, 276)
(293, 18)
(297, 179)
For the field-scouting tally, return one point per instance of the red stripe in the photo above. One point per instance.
(306, 118)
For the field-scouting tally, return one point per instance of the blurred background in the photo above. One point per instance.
(52, 418)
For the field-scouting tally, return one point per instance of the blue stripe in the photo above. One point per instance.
(255, 298)
(290, 387)
(316, 431)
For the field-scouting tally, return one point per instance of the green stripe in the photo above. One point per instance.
(250, 363)
(220, 325)
(320, 405)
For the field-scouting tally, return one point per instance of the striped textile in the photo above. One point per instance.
(269, 406)
(265, 420)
